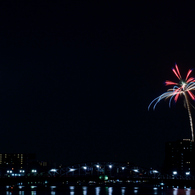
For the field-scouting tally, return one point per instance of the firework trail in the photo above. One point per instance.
(182, 88)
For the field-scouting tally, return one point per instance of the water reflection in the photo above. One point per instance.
(71, 190)
(135, 191)
(53, 187)
(175, 191)
(110, 189)
(188, 191)
(84, 190)
(21, 192)
(53, 193)
(97, 190)
(123, 191)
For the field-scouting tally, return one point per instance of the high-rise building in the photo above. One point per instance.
(19, 160)
(179, 158)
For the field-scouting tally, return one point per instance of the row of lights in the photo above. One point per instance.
(10, 171)
(175, 173)
(22, 171)
(98, 166)
(85, 168)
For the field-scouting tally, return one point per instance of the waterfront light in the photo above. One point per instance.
(34, 171)
(71, 170)
(188, 173)
(53, 170)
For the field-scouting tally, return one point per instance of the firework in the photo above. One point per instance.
(183, 88)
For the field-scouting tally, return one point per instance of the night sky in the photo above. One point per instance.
(76, 79)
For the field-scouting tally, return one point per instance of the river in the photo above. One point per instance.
(92, 190)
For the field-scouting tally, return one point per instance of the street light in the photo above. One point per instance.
(110, 166)
(188, 173)
(136, 170)
(174, 172)
(53, 170)
(72, 170)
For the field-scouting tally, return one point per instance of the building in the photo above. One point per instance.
(17, 164)
(179, 158)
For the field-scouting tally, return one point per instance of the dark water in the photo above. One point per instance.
(84, 190)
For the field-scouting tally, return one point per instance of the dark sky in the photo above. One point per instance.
(76, 79)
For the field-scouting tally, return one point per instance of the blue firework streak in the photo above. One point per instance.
(183, 88)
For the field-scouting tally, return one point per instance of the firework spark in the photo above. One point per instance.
(182, 88)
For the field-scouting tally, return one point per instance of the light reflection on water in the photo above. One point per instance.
(84, 190)
(71, 190)
(97, 190)
(53, 193)
(186, 191)
(110, 190)
(123, 191)
(175, 191)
